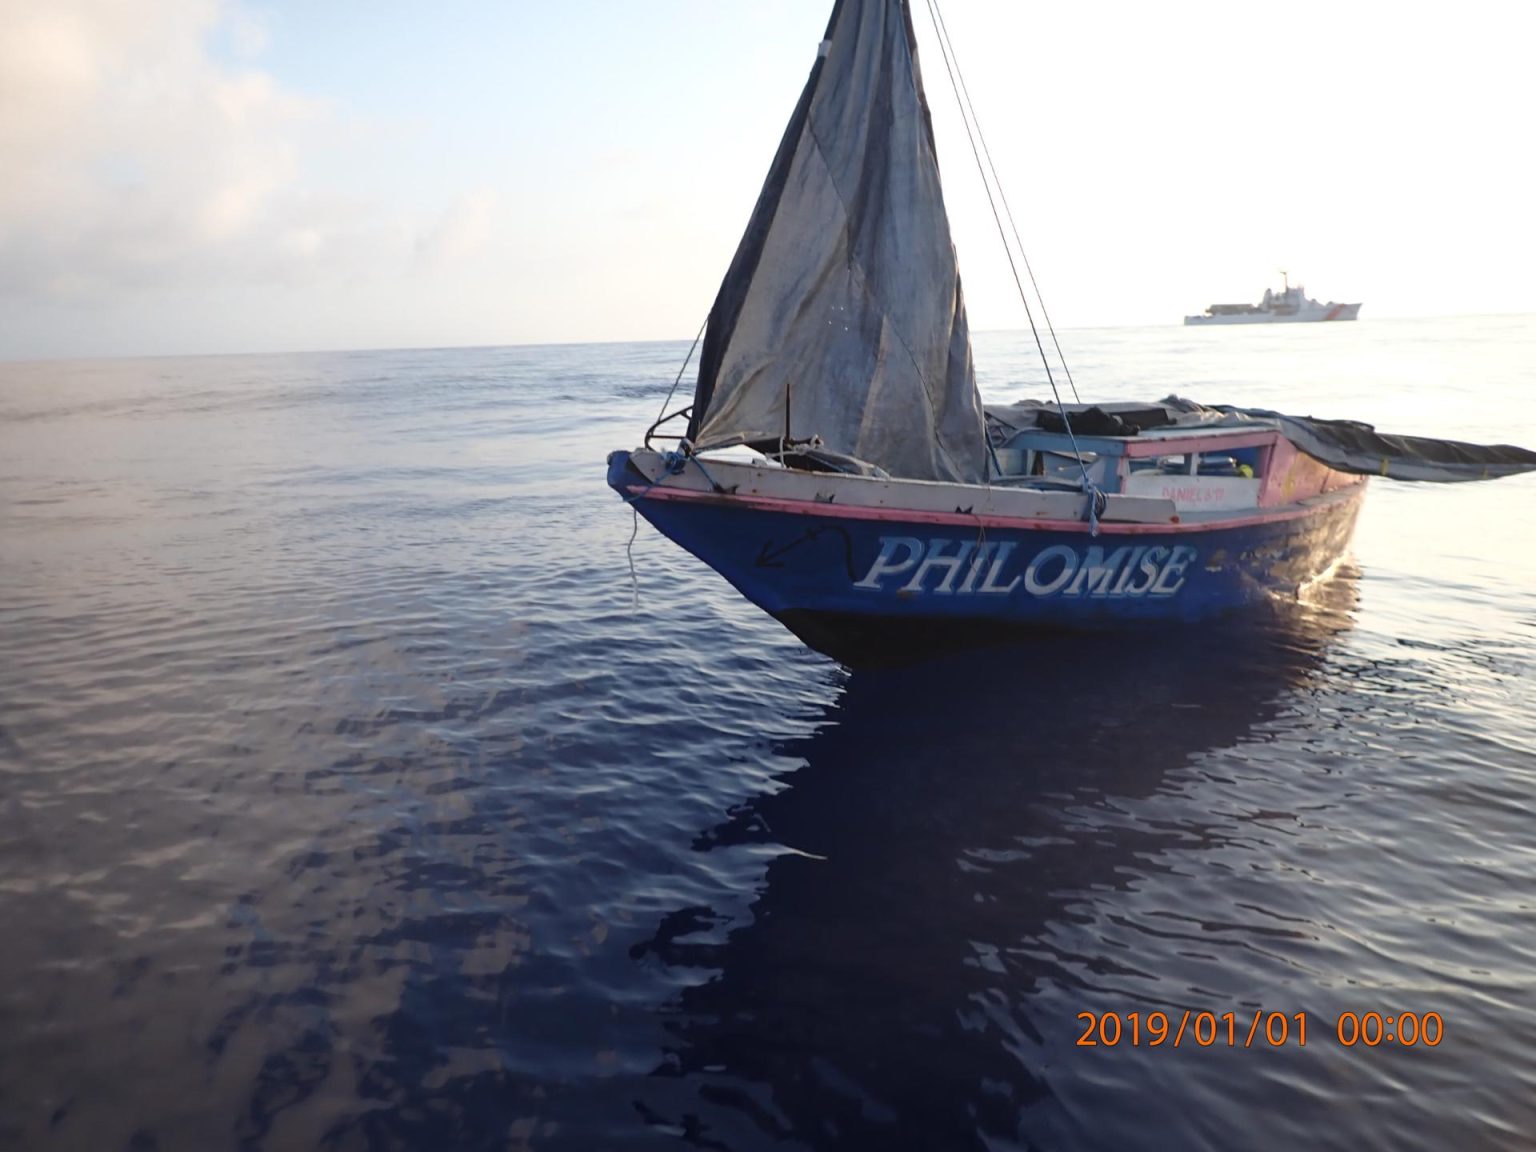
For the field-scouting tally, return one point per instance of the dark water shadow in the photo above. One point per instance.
(943, 827)
(881, 989)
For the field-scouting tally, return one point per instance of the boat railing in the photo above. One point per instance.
(651, 433)
(1112, 463)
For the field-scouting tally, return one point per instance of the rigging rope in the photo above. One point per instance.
(681, 370)
(673, 464)
(952, 66)
(1002, 195)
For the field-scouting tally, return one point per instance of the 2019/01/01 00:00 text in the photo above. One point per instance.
(1260, 1029)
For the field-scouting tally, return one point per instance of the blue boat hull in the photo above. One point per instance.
(857, 585)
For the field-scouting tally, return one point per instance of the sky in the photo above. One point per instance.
(201, 176)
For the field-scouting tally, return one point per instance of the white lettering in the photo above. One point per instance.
(978, 563)
(1128, 571)
(1149, 568)
(1097, 573)
(969, 568)
(886, 565)
(1174, 571)
(990, 585)
(937, 559)
(1038, 587)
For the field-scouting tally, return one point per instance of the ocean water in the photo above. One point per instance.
(357, 793)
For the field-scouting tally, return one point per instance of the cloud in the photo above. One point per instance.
(460, 234)
(133, 157)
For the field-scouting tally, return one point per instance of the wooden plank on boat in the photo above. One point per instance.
(1135, 509)
(921, 496)
(1196, 493)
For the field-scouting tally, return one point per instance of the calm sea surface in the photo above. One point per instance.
(353, 795)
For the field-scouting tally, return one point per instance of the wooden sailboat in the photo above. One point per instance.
(840, 469)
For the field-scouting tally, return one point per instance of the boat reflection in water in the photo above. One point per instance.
(959, 850)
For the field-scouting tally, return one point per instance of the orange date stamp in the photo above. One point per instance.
(1191, 1029)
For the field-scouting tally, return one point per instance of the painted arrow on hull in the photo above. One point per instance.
(768, 555)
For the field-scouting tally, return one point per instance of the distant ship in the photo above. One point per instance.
(1290, 304)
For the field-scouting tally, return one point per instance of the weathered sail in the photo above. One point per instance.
(841, 315)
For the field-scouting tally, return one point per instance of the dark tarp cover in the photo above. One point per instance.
(1350, 446)
(1346, 445)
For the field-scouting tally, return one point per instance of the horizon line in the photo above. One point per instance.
(349, 351)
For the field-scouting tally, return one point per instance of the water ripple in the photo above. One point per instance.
(357, 795)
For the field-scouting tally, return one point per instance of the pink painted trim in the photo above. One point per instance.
(914, 516)
(1281, 461)
(1179, 445)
